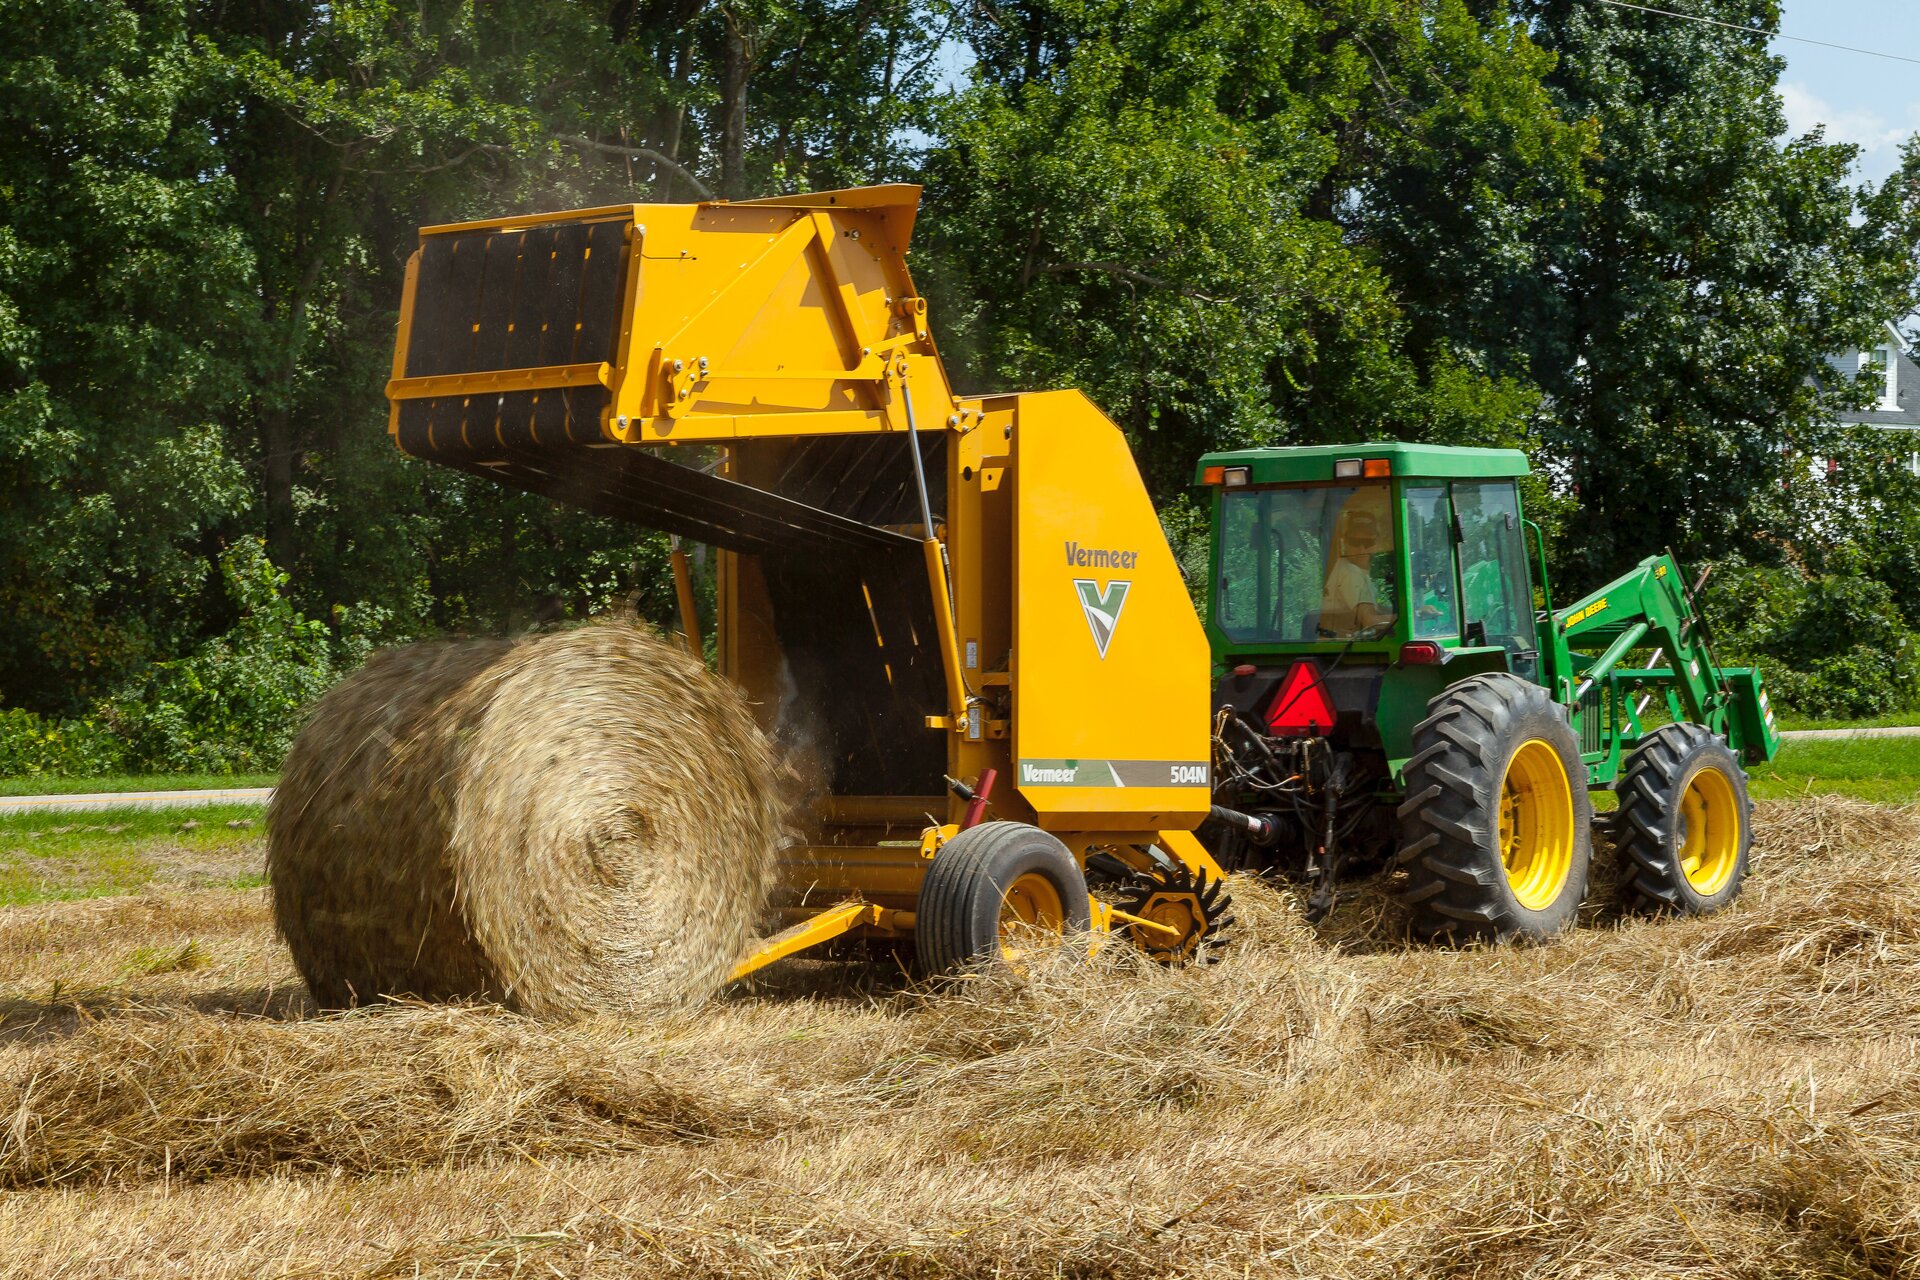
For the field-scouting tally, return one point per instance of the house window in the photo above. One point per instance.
(1880, 363)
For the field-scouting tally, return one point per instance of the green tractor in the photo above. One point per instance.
(1393, 682)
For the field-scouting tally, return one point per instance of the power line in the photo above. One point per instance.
(1749, 31)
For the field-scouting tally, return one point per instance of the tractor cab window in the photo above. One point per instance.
(1306, 564)
(1496, 594)
(1436, 613)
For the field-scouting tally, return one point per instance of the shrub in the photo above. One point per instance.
(1185, 522)
(33, 746)
(1832, 646)
(234, 704)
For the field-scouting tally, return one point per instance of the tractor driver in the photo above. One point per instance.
(1350, 601)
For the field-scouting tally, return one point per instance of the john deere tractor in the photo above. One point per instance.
(1394, 683)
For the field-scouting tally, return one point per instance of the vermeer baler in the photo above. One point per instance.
(947, 603)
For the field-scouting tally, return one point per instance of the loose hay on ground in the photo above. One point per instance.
(1717, 1097)
(193, 1096)
(581, 821)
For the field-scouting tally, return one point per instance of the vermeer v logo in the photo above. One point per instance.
(1102, 608)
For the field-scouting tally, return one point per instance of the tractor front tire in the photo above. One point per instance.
(1684, 826)
(1496, 827)
(989, 886)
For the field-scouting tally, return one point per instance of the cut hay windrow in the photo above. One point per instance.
(1729, 1095)
(194, 1096)
(581, 821)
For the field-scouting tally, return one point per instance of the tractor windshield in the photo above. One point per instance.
(1304, 564)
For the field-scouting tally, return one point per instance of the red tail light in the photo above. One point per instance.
(1420, 653)
(1301, 706)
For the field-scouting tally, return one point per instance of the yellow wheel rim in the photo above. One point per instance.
(1536, 824)
(1709, 835)
(1030, 912)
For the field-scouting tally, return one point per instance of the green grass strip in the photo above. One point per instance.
(38, 785)
(1884, 770)
(48, 857)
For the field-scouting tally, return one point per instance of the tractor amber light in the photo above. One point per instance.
(1301, 706)
(1238, 475)
(1346, 469)
(1214, 475)
(1420, 653)
(1377, 468)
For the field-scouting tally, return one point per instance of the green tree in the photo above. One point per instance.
(1691, 302)
(1195, 212)
(347, 125)
(120, 279)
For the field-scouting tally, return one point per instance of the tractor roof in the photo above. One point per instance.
(1307, 463)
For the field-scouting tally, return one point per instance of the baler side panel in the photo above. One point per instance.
(1111, 725)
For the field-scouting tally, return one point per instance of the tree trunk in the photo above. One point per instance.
(733, 110)
(508, 580)
(276, 454)
(676, 68)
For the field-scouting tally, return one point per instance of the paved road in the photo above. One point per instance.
(1891, 731)
(133, 800)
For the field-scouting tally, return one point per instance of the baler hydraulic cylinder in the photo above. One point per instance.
(957, 697)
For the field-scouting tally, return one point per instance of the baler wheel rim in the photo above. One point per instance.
(963, 899)
(1031, 911)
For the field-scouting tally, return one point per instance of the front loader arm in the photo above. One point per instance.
(1649, 607)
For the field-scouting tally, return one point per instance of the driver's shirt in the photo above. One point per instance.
(1348, 587)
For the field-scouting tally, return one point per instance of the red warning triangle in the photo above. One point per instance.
(1301, 706)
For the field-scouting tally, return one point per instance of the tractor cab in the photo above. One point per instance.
(1364, 578)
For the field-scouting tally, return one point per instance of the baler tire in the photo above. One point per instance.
(1655, 823)
(963, 893)
(1459, 884)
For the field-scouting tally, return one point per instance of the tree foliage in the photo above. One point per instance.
(1697, 294)
(1567, 226)
(1232, 223)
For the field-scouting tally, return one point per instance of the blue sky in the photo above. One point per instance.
(1873, 102)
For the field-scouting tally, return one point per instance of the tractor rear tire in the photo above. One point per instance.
(990, 882)
(1684, 826)
(1496, 827)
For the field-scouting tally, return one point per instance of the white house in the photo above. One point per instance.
(1896, 374)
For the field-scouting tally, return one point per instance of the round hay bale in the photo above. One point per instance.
(582, 821)
(359, 860)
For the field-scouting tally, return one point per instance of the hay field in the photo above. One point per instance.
(1737, 1096)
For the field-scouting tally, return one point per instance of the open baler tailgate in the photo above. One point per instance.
(531, 349)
